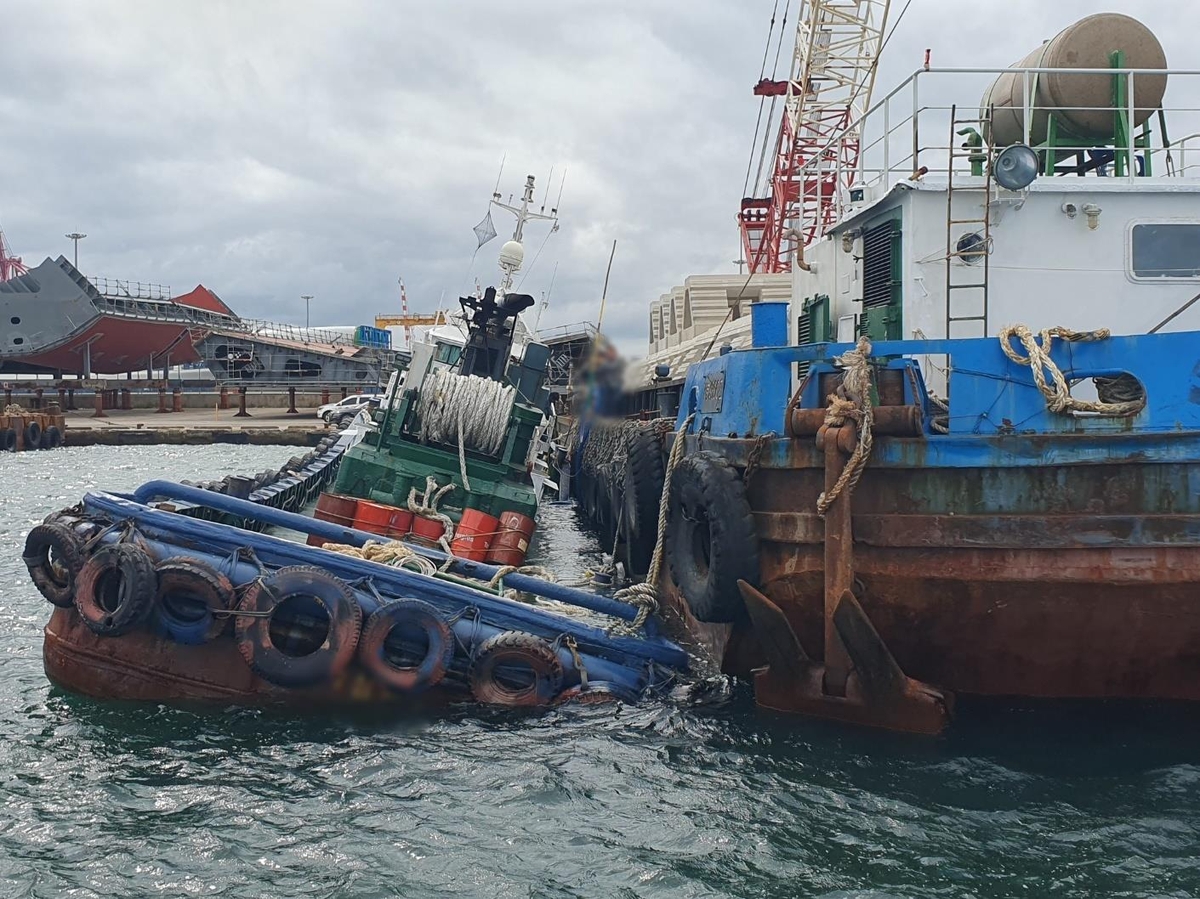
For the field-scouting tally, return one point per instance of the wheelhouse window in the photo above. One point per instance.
(1166, 251)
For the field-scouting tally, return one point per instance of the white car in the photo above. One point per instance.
(351, 405)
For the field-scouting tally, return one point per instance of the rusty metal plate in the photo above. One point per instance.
(714, 392)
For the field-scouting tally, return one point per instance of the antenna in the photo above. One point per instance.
(554, 209)
(500, 174)
(546, 195)
(604, 294)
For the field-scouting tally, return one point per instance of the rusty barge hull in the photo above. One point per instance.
(1054, 584)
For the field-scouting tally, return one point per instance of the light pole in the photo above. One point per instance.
(306, 297)
(76, 236)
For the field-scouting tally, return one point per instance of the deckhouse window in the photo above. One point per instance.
(1167, 250)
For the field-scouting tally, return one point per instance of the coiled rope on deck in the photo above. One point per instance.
(1058, 397)
(393, 552)
(851, 402)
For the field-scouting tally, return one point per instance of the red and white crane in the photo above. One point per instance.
(816, 151)
(10, 265)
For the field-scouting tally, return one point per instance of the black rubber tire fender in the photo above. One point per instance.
(52, 437)
(8, 440)
(33, 435)
(114, 591)
(711, 542)
(418, 614)
(267, 595)
(511, 649)
(54, 556)
(191, 579)
(640, 495)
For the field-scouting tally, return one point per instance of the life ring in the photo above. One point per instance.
(33, 435)
(640, 496)
(115, 589)
(305, 630)
(516, 669)
(8, 440)
(54, 556)
(376, 656)
(51, 438)
(189, 593)
(711, 543)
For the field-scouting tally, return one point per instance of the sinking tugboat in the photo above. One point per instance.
(155, 605)
(867, 526)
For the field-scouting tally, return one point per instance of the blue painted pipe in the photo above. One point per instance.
(152, 490)
(449, 597)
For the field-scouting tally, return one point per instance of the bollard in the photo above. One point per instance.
(292, 401)
(62, 398)
(37, 399)
(241, 412)
(162, 399)
(223, 400)
(7, 396)
(126, 399)
(71, 399)
(345, 392)
(177, 400)
(324, 395)
(99, 404)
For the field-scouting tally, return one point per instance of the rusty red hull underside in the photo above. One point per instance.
(1069, 591)
(118, 346)
(141, 666)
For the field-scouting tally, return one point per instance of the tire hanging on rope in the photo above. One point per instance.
(303, 627)
(115, 589)
(54, 556)
(381, 648)
(711, 541)
(516, 669)
(190, 600)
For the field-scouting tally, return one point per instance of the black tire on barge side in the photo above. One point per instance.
(640, 495)
(711, 543)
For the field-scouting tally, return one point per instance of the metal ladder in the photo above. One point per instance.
(967, 298)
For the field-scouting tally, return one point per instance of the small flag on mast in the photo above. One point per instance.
(485, 230)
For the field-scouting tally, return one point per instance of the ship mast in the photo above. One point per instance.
(512, 254)
(827, 90)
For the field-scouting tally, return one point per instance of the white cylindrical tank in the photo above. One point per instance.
(1082, 104)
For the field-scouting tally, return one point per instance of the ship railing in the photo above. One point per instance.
(160, 310)
(576, 331)
(130, 290)
(915, 127)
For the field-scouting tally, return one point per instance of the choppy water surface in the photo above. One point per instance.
(103, 800)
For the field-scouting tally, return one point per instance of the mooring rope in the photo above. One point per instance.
(1058, 397)
(393, 553)
(428, 508)
(645, 594)
(851, 402)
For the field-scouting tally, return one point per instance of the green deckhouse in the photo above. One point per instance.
(461, 406)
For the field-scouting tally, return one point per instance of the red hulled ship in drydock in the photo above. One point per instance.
(901, 482)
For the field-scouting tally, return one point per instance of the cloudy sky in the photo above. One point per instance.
(273, 149)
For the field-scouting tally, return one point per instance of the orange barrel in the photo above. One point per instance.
(335, 509)
(512, 542)
(474, 534)
(400, 523)
(428, 528)
(373, 517)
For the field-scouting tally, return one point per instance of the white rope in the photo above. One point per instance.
(1058, 397)
(852, 401)
(428, 508)
(468, 409)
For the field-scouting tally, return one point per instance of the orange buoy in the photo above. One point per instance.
(474, 534)
(512, 541)
(336, 509)
(373, 517)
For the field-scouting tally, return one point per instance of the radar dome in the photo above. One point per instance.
(512, 254)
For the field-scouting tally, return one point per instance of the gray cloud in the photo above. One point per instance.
(271, 149)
